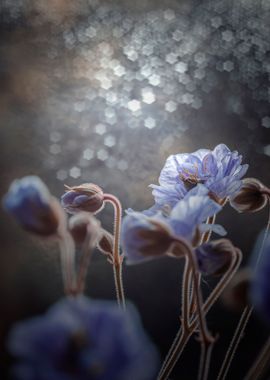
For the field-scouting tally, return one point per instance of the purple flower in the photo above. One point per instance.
(32, 205)
(83, 339)
(214, 257)
(260, 286)
(145, 237)
(87, 197)
(219, 170)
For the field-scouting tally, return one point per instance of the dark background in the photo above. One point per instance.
(103, 92)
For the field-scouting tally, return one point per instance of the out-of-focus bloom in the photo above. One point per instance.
(260, 285)
(219, 170)
(87, 197)
(252, 197)
(214, 258)
(82, 226)
(236, 294)
(150, 236)
(34, 208)
(83, 339)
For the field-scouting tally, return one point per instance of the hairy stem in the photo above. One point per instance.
(117, 259)
(181, 339)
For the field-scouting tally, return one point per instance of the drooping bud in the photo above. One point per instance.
(236, 294)
(214, 258)
(34, 208)
(83, 226)
(105, 243)
(252, 196)
(144, 238)
(86, 197)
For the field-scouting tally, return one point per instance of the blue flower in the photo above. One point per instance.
(87, 197)
(83, 339)
(219, 170)
(145, 237)
(260, 286)
(32, 205)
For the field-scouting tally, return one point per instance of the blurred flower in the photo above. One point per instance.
(260, 286)
(219, 170)
(252, 197)
(145, 237)
(34, 208)
(82, 226)
(83, 339)
(87, 197)
(214, 258)
(236, 293)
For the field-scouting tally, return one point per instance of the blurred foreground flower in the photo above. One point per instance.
(34, 208)
(87, 197)
(219, 170)
(83, 339)
(260, 286)
(145, 237)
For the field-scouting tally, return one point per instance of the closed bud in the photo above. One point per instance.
(83, 226)
(214, 258)
(34, 208)
(105, 243)
(144, 238)
(87, 197)
(252, 196)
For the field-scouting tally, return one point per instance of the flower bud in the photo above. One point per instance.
(214, 258)
(105, 244)
(83, 225)
(252, 196)
(34, 208)
(144, 238)
(87, 197)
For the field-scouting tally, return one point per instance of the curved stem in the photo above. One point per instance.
(181, 338)
(243, 319)
(117, 259)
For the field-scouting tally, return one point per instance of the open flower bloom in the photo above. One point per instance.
(260, 286)
(145, 237)
(219, 170)
(87, 197)
(34, 208)
(83, 339)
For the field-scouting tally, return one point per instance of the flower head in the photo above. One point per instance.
(32, 205)
(214, 257)
(219, 170)
(83, 339)
(87, 197)
(145, 237)
(252, 197)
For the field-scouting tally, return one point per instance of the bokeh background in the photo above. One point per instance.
(103, 91)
